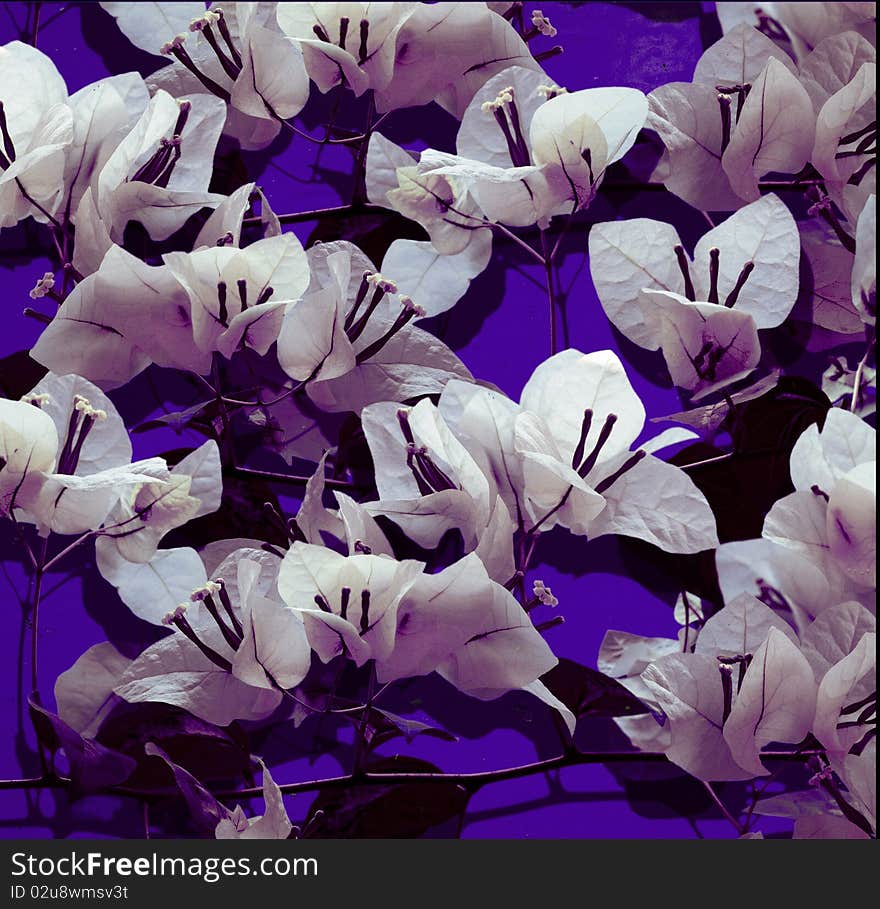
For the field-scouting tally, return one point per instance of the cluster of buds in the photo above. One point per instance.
(543, 594)
(38, 400)
(543, 24)
(550, 91)
(43, 287)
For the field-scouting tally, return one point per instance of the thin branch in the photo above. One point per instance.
(361, 209)
(296, 479)
(740, 828)
(471, 781)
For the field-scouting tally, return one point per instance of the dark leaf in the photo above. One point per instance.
(587, 691)
(402, 811)
(18, 374)
(92, 766)
(741, 486)
(241, 514)
(180, 419)
(206, 811)
(385, 726)
(373, 232)
(207, 751)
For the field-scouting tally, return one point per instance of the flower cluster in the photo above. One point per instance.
(411, 547)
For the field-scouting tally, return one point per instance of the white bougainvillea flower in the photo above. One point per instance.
(349, 604)
(148, 25)
(446, 51)
(745, 115)
(440, 614)
(349, 43)
(818, 543)
(104, 112)
(41, 128)
(706, 346)
(36, 126)
(427, 481)
(238, 296)
(833, 63)
(231, 656)
(528, 150)
(846, 707)
(235, 52)
(350, 524)
(831, 514)
(159, 173)
(98, 331)
(748, 263)
(834, 635)
(859, 774)
(28, 444)
(503, 650)
(846, 130)
(624, 656)
(733, 634)
(224, 225)
(91, 467)
(442, 205)
(798, 27)
(774, 703)
(138, 523)
(84, 693)
(864, 273)
(351, 340)
(273, 824)
(723, 705)
(829, 285)
(563, 455)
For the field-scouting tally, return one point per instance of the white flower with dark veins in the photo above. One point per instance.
(159, 173)
(348, 603)
(36, 126)
(564, 455)
(528, 150)
(235, 52)
(744, 115)
(90, 470)
(429, 484)
(349, 43)
(350, 338)
(234, 652)
(818, 544)
(703, 312)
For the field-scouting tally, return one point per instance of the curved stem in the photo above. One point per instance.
(740, 828)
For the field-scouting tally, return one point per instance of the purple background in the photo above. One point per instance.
(500, 330)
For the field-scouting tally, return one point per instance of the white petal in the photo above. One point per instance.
(776, 702)
(774, 132)
(626, 256)
(765, 234)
